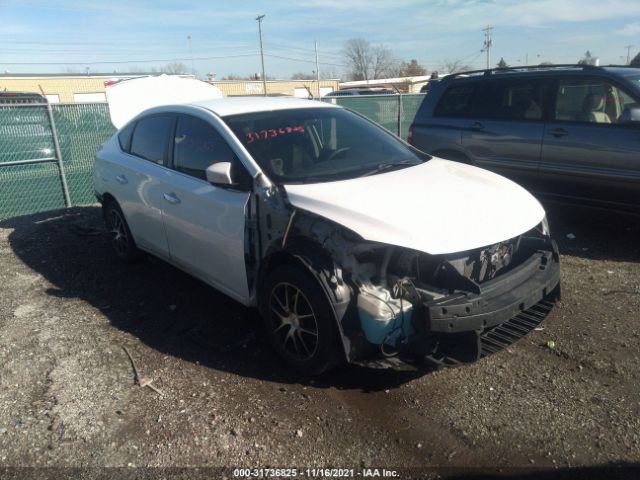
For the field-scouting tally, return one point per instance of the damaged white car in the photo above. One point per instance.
(353, 245)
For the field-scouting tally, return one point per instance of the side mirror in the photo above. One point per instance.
(630, 114)
(219, 173)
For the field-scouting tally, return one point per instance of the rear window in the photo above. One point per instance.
(150, 138)
(124, 137)
(512, 99)
(455, 101)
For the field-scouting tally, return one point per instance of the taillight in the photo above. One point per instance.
(410, 136)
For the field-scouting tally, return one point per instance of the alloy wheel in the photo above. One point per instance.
(293, 321)
(119, 237)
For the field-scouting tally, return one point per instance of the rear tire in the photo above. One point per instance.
(299, 320)
(121, 238)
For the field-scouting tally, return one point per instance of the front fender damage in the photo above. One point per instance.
(392, 302)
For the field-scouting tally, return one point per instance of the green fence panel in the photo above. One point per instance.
(81, 128)
(25, 133)
(32, 188)
(410, 105)
(383, 109)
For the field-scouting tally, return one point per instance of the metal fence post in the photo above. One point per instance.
(400, 115)
(56, 145)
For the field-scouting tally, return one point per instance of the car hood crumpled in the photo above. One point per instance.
(436, 207)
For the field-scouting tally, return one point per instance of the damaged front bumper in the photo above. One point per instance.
(499, 299)
(466, 326)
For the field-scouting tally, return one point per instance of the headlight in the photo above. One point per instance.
(544, 226)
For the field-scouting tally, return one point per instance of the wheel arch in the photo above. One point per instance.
(313, 258)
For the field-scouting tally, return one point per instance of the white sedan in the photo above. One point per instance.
(353, 245)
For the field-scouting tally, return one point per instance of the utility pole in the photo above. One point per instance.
(317, 70)
(628, 47)
(488, 43)
(193, 68)
(264, 80)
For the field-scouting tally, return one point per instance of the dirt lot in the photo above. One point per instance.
(68, 399)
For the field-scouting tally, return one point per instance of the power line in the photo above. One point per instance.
(303, 60)
(123, 62)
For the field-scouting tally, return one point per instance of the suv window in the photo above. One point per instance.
(455, 101)
(510, 99)
(150, 138)
(590, 100)
(198, 145)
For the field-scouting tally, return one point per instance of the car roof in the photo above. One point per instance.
(541, 70)
(238, 105)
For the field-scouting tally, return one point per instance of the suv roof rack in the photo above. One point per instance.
(526, 68)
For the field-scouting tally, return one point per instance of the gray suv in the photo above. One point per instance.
(569, 133)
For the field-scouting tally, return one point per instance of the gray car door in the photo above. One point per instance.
(590, 155)
(505, 128)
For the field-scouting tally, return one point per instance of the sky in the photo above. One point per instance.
(57, 36)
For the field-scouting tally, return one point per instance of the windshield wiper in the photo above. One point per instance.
(383, 167)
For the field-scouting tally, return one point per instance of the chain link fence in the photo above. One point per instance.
(393, 112)
(47, 151)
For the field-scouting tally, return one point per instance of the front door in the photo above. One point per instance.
(205, 224)
(504, 133)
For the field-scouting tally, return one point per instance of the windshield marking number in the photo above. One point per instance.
(272, 133)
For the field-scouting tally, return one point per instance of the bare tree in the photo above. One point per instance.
(588, 59)
(384, 63)
(455, 66)
(367, 62)
(411, 69)
(359, 58)
(302, 76)
(175, 68)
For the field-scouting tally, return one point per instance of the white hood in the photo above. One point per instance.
(437, 207)
(130, 97)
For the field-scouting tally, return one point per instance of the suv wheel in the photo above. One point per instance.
(299, 320)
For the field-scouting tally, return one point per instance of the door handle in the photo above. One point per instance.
(558, 132)
(171, 198)
(477, 126)
(122, 179)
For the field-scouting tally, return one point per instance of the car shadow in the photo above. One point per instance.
(165, 308)
(595, 234)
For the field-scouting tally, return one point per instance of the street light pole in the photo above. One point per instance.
(317, 70)
(264, 80)
(193, 68)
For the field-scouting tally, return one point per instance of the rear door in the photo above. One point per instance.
(506, 125)
(136, 179)
(205, 224)
(589, 154)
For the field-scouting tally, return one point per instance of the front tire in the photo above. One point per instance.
(121, 238)
(299, 321)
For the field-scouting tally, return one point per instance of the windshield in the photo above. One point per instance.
(307, 145)
(635, 79)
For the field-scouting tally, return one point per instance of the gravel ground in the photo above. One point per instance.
(68, 398)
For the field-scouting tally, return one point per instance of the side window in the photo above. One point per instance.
(198, 145)
(150, 138)
(124, 137)
(510, 100)
(590, 100)
(455, 101)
